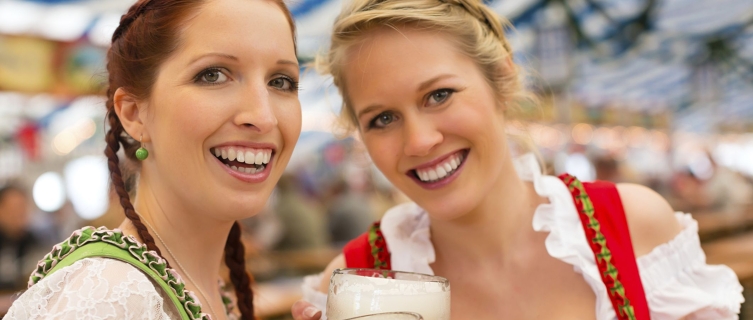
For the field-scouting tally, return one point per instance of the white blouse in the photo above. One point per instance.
(676, 279)
(94, 289)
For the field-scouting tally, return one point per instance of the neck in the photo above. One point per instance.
(193, 242)
(495, 227)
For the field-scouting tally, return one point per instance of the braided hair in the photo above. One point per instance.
(143, 40)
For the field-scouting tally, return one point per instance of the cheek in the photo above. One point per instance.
(385, 151)
(289, 121)
(192, 113)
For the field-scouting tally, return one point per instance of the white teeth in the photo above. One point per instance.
(231, 154)
(259, 158)
(267, 156)
(241, 156)
(249, 157)
(217, 152)
(441, 173)
(433, 175)
(247, 170)
(234, 168)
(224, 154)
(441, 170)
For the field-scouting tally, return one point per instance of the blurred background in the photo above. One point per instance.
(656, 92)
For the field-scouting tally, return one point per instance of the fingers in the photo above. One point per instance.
(303, 310)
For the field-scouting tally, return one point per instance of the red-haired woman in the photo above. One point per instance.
(203, 100)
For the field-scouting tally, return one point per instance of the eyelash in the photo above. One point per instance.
(372, 123)
(198, 78)
(449, 92)
(293, 83)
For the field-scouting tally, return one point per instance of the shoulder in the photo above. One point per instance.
(650, 218)
(337, 263)
(110, 273)
(99, 283)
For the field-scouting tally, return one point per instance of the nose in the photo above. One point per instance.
(421, 136)
(256, 111)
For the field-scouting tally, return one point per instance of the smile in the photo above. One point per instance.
(247, 164)
(440, 172)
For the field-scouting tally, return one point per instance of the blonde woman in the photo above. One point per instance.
(430, 86)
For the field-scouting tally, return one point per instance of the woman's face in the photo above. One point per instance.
(428, 117)
(224, 115)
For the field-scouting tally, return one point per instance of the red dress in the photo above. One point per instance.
(603, 218)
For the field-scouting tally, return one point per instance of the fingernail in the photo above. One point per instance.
(310, 312)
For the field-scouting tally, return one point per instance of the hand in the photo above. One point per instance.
(303, 310)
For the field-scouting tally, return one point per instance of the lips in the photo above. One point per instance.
(243, 160)
(439, 172)
(247, 163)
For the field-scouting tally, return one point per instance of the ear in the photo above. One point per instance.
(129, 111)
(508, 62)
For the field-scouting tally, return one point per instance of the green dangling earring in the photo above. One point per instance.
(142, 153)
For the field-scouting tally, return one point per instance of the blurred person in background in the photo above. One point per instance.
(203, 101)
(607, 169)
(726, 190)
(20, 248)
(707, 186)
(304, 225)
(348, 212)
(429, 85)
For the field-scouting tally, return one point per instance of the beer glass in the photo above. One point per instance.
(359, 292)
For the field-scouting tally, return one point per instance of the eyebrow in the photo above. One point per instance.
(423, 86)
(288, 62)
(222, 55)
(368, 110)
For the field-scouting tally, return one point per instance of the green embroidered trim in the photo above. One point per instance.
(376, 240)
(603, 255)
(88, 235)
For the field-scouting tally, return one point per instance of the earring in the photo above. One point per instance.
(142, 153)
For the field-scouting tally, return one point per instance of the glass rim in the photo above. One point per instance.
(417, 315)
(431, 278)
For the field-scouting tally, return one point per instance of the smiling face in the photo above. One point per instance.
(223, 116)
(428, 117)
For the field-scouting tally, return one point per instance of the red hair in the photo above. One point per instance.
(146, 37)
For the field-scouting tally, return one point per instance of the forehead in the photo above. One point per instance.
(397, 60)
(239, 26)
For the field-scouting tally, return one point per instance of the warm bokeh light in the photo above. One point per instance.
(49, 192)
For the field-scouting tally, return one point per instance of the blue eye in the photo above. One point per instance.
(211, 76)
(284, 83)
(439, 96)
(382, 120)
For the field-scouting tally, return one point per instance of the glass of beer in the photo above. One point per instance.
(360, 292)
(390, 316)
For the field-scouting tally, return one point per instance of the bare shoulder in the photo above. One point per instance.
(337, 263)
(650, 218)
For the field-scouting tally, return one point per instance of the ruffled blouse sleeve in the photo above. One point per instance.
(678, 283)
(312, 294)
(94, 288)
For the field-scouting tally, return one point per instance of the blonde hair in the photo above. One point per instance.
(477, 31)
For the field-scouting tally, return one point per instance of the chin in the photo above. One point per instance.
(447, 210)
(245, 205)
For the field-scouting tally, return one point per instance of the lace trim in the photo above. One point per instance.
(151, 259)
(603, 255)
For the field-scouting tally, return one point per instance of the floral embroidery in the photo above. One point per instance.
(151, 259)
(609, 273)
(378, 247)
